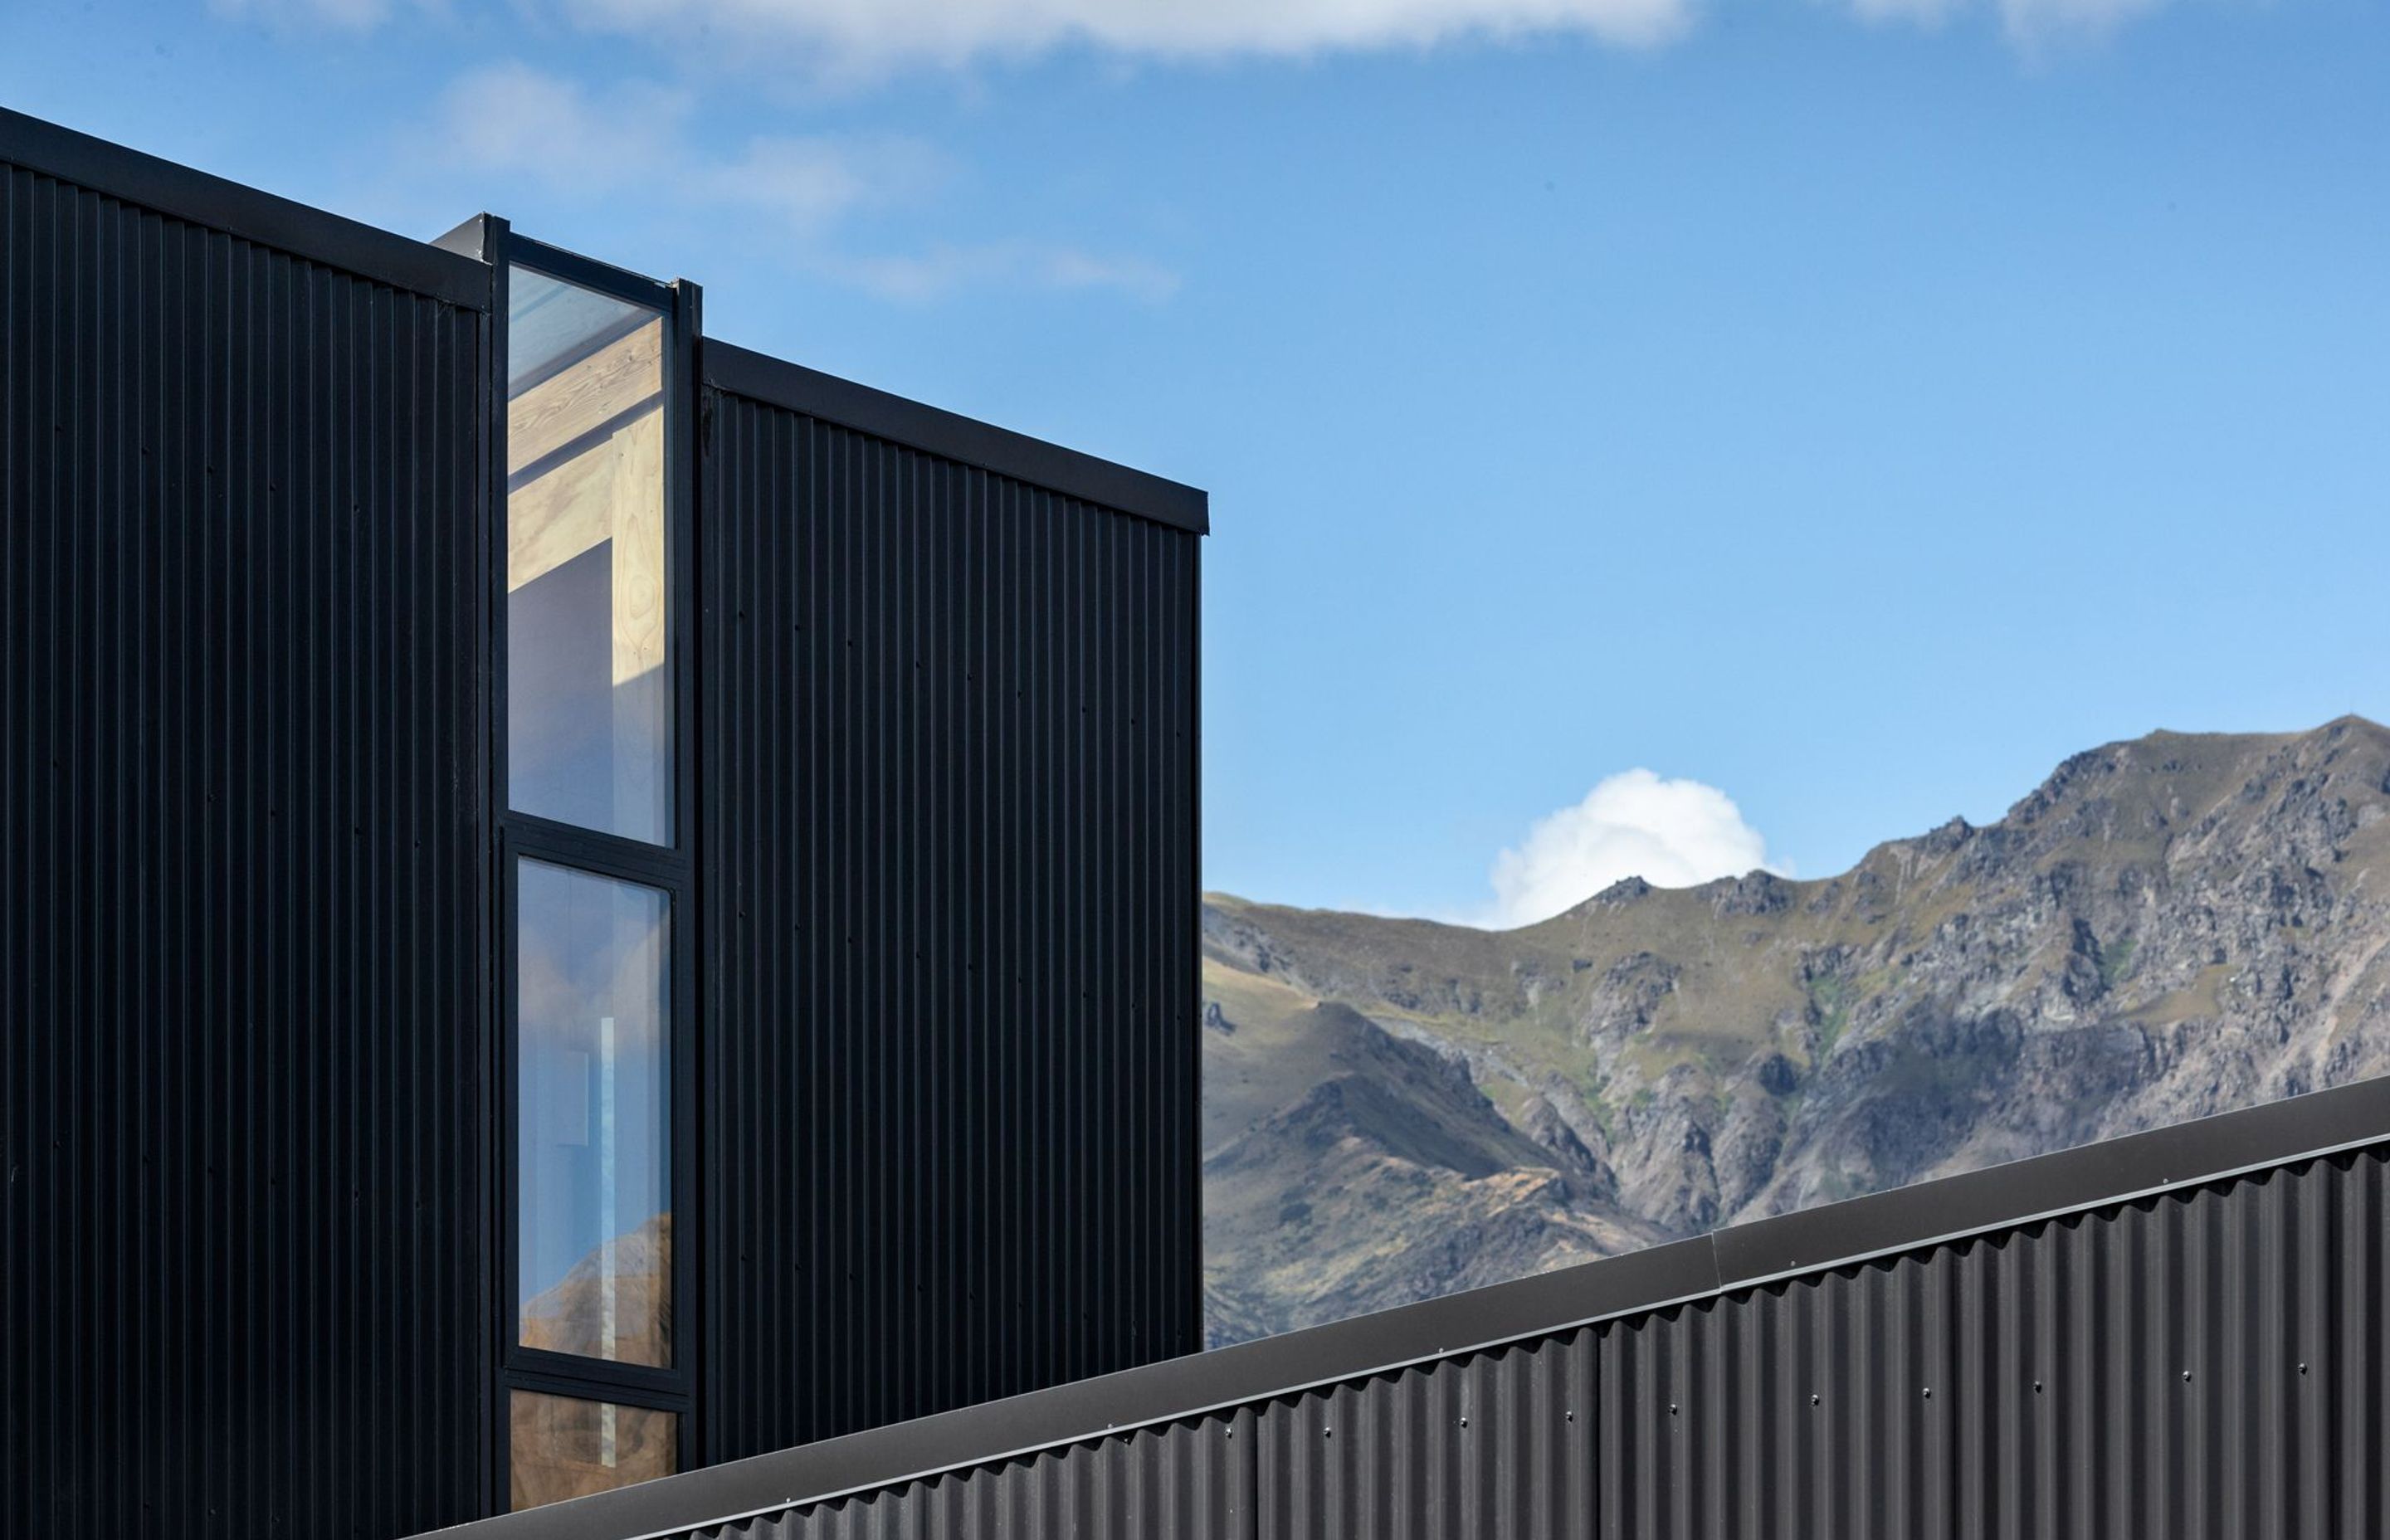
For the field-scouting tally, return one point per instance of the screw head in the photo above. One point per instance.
(1929, 1393)
(1813, 1400)
(2186, 1377)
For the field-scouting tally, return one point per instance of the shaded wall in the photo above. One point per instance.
(946, 883)
(949, 887)
(242, 1286)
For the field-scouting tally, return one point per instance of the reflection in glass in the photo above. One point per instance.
(561, 1446)
(588, 692)
(595, 1233)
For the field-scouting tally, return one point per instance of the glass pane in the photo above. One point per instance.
(588, 689)
(595, 1233)
(563, 1447)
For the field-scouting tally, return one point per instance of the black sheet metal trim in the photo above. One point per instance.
(776, 382)
(474, 238)
(278, 223)
(2093, 1176)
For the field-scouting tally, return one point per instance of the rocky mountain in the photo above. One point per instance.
(614, 1302)
(2165, 928)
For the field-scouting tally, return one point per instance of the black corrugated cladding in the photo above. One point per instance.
(241, 1283)
(949, 711)
(2181, 1334)
(1487, 1444)
(2205, 1362)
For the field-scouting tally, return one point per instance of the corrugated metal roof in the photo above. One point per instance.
(2182, 1333)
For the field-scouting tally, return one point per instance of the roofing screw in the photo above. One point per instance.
(2186, 1377)
(2036, 1387)
(1929, 1393)
(1464, 1422)
(1572, 1415)
(2303, 1369)
(1813, 1400)
(1671, 1408)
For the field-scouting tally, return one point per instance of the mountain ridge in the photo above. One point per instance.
(2165, 926)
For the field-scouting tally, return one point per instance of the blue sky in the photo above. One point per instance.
(1841, 411)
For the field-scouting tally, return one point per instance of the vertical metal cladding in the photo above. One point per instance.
(950, 885)
(242, 1267)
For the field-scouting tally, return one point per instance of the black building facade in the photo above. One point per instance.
(577, 902)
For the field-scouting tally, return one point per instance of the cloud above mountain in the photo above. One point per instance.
(1671, 833)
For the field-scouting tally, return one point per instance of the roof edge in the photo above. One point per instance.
(776, 382)
(283, 223)
(2088, 1177)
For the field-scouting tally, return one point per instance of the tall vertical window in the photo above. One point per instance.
(589, 639)
(594, 1209)
(596, 1385)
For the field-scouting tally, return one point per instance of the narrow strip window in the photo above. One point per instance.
(595, 1225)
(594, 1377)
(589, 703)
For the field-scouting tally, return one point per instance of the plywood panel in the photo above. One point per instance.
(619, 377)
(613, 491)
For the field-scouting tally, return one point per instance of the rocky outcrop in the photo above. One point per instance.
(2165, 928)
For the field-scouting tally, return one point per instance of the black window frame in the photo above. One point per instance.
(670, 869)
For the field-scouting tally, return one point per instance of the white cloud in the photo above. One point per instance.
(812, 182)
(516, 120)
(2031, 25)
(864, 38)
(342, 15)
(867, 34)
(1925, 12)
(2036, 23)
(634, 138)
(942, 269)
(1671, 833)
